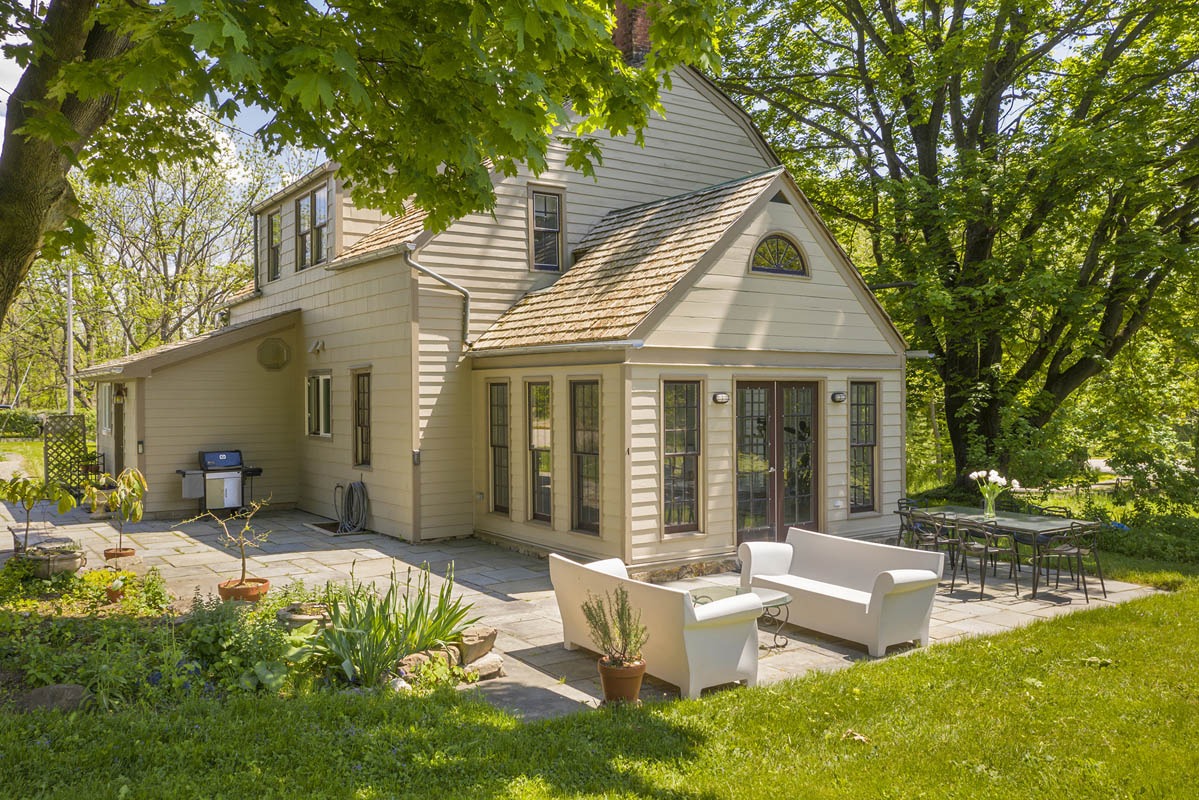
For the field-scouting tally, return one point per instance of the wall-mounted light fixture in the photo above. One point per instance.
(720, 398)
(317, 346)
(839, 397)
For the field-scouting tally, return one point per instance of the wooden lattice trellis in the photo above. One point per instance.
(65, 450)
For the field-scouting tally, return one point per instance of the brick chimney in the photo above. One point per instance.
(631, 35)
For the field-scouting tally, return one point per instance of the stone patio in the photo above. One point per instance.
(512, 593)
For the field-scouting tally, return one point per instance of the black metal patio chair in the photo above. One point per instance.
(985, 542)
(1079, 543)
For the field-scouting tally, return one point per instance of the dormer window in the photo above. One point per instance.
(778, 255)
(546, 221)
(312, 223)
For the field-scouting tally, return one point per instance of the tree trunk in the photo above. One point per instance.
(35, 196)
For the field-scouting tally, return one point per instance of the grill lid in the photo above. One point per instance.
(220, 459)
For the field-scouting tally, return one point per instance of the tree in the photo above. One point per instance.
(1032, 168)
(166, 252)
(417, 99)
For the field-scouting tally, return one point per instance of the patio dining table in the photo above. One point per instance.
(1032, 530)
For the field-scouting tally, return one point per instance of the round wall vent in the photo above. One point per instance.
(273, 354)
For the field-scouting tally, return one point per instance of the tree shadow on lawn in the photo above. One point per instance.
(338, 745)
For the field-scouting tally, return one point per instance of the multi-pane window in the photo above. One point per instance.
(497, 419)
(680, 456)
(547, 231)
(274, 245)
(779, 255)
(362, 419)
(540, 475)
(863, 439)
(312, 226)
(584, 447)
(104, 408)
(317, 405)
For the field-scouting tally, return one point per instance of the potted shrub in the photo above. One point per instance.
(125, 499)
(243, 588)
(27, 493)
(51, 560)
(618, 633)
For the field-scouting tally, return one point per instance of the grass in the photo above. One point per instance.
(1099, 704)
(28, 453)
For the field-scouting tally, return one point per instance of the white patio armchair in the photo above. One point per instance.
(874, 594)
(691, 646)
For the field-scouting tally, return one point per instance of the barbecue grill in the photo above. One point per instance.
(219, 482)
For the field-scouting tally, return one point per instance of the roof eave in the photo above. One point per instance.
(560, 347)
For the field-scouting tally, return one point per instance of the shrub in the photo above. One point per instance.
(20, 423)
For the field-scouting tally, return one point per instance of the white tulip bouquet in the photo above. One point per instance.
(991, 485)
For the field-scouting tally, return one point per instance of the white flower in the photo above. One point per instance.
(993, 474)
(1015, 483)
(976, 475)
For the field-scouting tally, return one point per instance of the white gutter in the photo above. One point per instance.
(405, 250)
(571, 347)
(361, 258)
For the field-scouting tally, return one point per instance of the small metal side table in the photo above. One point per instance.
(776, 605)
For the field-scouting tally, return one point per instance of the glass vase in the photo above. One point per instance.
(989, 508)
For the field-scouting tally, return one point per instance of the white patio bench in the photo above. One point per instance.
(874, 594)
(691, 646)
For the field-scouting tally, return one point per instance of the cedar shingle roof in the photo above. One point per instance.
(394, 231)
(629, 261)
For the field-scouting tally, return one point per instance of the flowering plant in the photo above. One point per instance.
(991, 485)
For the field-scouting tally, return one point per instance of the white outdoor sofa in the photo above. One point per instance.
(691, 646)
(874, 594)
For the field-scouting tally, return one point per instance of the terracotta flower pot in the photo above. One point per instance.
(621, 684)
(118, 552)
(114, 595)
(253, 590)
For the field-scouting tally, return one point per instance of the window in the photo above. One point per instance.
(863, 438)
(312, 224)
(104, 408)
(274, 244)
(584, 447)
(318, 405)
(539, 451)
(362, 419)
(547, 232)
(778, 255)
(497, 420)
(680, 456)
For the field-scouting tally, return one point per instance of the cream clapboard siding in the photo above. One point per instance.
(696, 144)
(360, 317)
(516, 524)
(729, 307)
(352, 222)
(220, 401)
(286, 208)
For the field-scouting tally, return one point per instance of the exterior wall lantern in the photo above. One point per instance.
(839, 397)
(720, 398)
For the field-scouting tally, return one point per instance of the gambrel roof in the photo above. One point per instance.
(626, 265)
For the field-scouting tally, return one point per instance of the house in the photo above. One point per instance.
(655, 364)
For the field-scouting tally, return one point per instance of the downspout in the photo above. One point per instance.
(257, 282)
(406, 250)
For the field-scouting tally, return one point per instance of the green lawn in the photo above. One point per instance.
(30, 453)
(1100, 704)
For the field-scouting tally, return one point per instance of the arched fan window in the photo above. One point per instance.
(778, 255)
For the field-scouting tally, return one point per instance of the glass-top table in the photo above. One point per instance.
(776, 605)
(1014, 521)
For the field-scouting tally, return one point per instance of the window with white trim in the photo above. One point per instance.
(318, 402)
(546, 214)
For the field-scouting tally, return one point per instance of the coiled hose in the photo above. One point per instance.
(351, 507)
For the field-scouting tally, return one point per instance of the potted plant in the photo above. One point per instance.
(115, 590)
(50, 560)
(27, 493)
(618, 633)
(991, 485)
(125, 498)
(243, 588)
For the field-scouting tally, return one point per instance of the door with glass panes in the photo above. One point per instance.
(776, 459)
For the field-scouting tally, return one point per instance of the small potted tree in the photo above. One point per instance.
(618, 633)
(238, 531)
(27, 493)
(125, 499)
